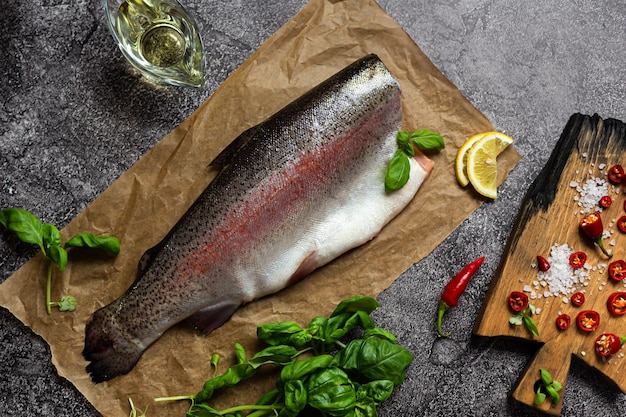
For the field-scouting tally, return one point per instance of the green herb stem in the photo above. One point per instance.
(48, 288)
(176, 398)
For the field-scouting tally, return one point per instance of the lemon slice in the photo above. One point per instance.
(461, 159)
(481, 162)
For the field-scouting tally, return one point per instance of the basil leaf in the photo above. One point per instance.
(540, 397)
(301, 368)
(50, 236)
(554, 395)
(546, 378)
(531, 326)
(374, 359)
(241, 354)
(87, 240)
(295, 398)
(427, 140)
(67, 303)
(403, 138)
(283, 333)
(398, 171)
(58, 256)
(382, 333)
(356, 303)
(280, 355)
(557, 385)
(377, 391)
(25, 225)
(331, 391)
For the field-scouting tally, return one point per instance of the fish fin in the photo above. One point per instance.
(212, 317)
(230, 152)
(110, 351)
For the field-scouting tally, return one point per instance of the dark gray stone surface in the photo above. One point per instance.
(73, 118)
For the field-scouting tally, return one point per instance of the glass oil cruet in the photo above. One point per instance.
(159, 38)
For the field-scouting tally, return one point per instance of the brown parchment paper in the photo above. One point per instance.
(148, 199)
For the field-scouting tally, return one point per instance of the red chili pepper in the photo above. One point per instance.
(544, 265)
(606, 201)
(588, 320)
(608, 344)
(453, 290)
(616, 174)
(577, 259)
(592, 226)
(578, 299)
(562, 322)
(518, 301)
(616, 303)
(617, 270)
(621, 223)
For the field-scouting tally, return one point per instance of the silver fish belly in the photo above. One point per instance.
(292, 194)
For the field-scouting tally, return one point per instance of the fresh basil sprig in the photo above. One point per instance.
(360, 375)
(398, 171)
(547, 387)
(30, 229)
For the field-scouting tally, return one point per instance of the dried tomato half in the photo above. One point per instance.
(518, 301)
(588, 320)
(606, 201)
(617, 270)
(577, 259)
(621, 223)
(562, 322)
(616, 174)
(616, 303)
(578, 299)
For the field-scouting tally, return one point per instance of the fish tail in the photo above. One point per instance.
(110, 351)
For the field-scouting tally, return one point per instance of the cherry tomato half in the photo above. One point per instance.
(606, 201)
(578, 299)
(518, 301)
(617, 270)
(616, 174)
(616, 303)
(588, 320)
(562, 322)
(577, 259)
(621, 223)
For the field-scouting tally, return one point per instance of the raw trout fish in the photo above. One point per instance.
(292, 194)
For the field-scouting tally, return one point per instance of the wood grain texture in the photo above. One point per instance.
(549, 215)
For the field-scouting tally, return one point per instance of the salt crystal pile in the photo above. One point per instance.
(590, 193)
(561, 279)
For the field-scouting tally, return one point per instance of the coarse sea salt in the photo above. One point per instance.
(589, 193)
(561, 279)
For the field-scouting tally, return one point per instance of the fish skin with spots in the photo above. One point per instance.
(292, 194)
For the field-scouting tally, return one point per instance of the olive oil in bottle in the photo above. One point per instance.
(161, 40)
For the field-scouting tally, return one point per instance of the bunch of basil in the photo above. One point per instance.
(338, 380)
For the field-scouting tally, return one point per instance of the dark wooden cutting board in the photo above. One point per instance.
(549, 215)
